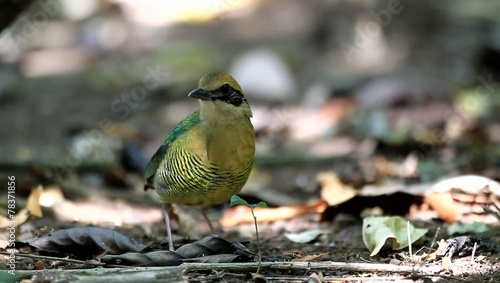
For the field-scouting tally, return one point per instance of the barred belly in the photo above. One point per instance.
(182, 178)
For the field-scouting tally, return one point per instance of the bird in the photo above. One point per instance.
(209, 155)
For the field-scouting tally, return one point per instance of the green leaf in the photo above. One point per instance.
(459, 228)
(307, 236)
(236, 200)
(260, 204)
(378, 230)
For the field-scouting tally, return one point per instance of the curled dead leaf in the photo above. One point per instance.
(33, 202)
(85, 242)
(219, 258)
(209, 249)
(333, 191)
(242, 214)
(444, 205)
(471, 184)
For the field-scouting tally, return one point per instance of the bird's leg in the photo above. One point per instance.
(166, 215)
(204, 213)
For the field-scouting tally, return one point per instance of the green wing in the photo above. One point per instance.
(181, 128)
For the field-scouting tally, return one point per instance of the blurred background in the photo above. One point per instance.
(374, 92)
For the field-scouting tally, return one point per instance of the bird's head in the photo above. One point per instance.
(221, 97)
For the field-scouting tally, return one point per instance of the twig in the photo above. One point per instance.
(84, 262)
(250, 266)
(409, 239)
(258, 241)
(473, 252)
(416, 276)
(344, 266)
(435, 237)
(176, 273)
(336, 279)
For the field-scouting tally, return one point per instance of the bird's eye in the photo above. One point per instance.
(225, 88)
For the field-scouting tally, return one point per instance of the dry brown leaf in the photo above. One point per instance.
(86, 241)
(293, 254)
(242, 214)
(33, 202)
(333, 191)
(209, 249)
(311, 257)
(4, 222)
(51, 196)
(444, 205)
(32, 208)
(471, 184)
(4, 244)
(451, 198)
(20, 217)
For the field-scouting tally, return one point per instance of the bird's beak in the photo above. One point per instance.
(200, 93)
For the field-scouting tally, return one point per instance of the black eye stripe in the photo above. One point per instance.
(228, 94)
(235, 98)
